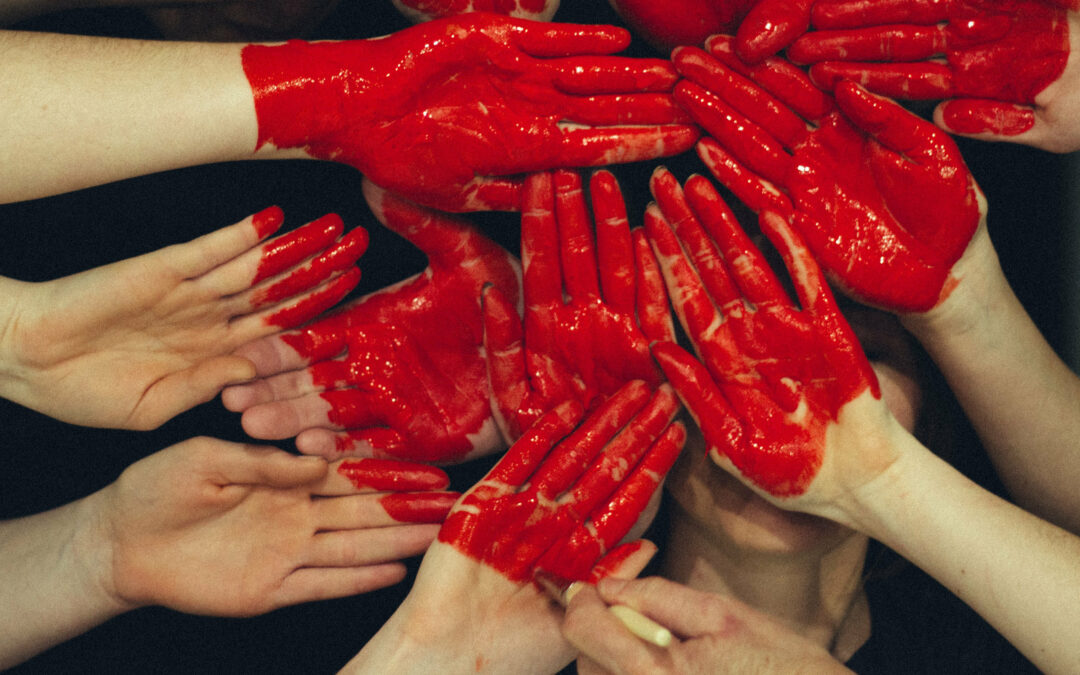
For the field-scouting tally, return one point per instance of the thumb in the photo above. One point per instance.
(183, 390)
(245, 464)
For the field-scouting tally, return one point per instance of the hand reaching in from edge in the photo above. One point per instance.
(426, 10)
(883, 198)
(590, 309)
(1003, 66)
(785, 397)
(134, 343)
(450, 112)
(212, 527)
(560, 500)
(717, 634)
(398, 373)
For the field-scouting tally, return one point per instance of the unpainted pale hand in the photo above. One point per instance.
(784, 396)
(212, 527)
(560, 500)
(1002, 67)
(878, 194)
(449, 113)
(593, 302)
(716, 634)
(398, 373)
(134, 343)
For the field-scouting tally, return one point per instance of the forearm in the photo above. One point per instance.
(1022, 399)
(1016, 570)
(53, 566)
(81, 111)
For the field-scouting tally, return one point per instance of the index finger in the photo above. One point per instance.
(542, 39)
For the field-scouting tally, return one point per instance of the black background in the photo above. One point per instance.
(47, 463)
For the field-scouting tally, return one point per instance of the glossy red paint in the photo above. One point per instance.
(770, 377)
(267, 221)
(565, 492)
(340, 256)
(419, 508)
(383, 475)
(292, 248)
(318, 302)
(882, 198)
(449, 111)
(976, 116)
(681, 22)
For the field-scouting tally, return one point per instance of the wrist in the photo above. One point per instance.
(95, 546)
(15, 324)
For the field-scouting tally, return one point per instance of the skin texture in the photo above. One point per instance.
(553, 502)
(772, 377)
(426, 10)
(134, 343)
(717, 634)
(447, 112)
(593, 302)
(877, 193)
(992, 62)
(209, 527)
(397, 373)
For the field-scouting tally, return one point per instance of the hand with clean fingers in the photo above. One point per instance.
(1002, 68)
(426, 10)
(784, 396)
(593, 303)
(212, 527)
(717, 634)
(882, 197)
(448, 113)
(398, 373)
(559, 501)
(134, 343)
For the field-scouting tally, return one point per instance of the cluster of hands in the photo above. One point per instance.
(567, 357)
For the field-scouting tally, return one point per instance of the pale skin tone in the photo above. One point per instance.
(134, 343)
(206, 527)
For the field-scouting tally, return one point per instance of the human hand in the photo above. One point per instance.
(449, 112)
(559, 500)
(785, 398)
(717, 634)
(399, 372)
(134, 343)
(212, 527)
(684, 22)
(590, 310)
(426, 10)
(877, 193)
(1005, 74)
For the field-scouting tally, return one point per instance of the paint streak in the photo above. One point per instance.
(341, 256)
(973, 116)
(267, 221)
(298, 245)
(392, 476)
(419, 508)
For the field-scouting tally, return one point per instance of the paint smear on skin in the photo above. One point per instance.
(342, 255)
(290, 249)
(389, 475)
(987, 117)
(316, 303)
(267, 221)
(419, 508)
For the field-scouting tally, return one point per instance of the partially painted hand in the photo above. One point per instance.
(882, 197)
(560, 500)
(1001, 64)
(426, 10)
(593, 302)
(398, 373)
(450, 112)
(783, 394)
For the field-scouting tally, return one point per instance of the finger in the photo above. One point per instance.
(619, 145)
(202, 255)
(349, 548)
(577, 252)
(752, 145)
(653, 310)
(695, 309)
(685, 611)
(358, 512)
(988, 120)
(597, 633)
(566, 463)
(309, 584)
(748, 267)
(487, 193)
(541, 39)
(743, 95)
(311, 305)
(906, 81)
(339, 257)
(810, 287)
(752, 190)
(183, 390)
(834, 14)
(540, 259)
(283, 419)
(788, 83)
(699, 393)
(887, 43)
(283, 387)
(591, 75)
(895, 127)
(504, 352)
(440, 236)
(770, 26)
(381, 475)
(375, 442)
(525, 455)
(244, 464)
(613, 244)
(623, 110)
(626, 561)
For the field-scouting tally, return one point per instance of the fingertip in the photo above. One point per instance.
(267, 221)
